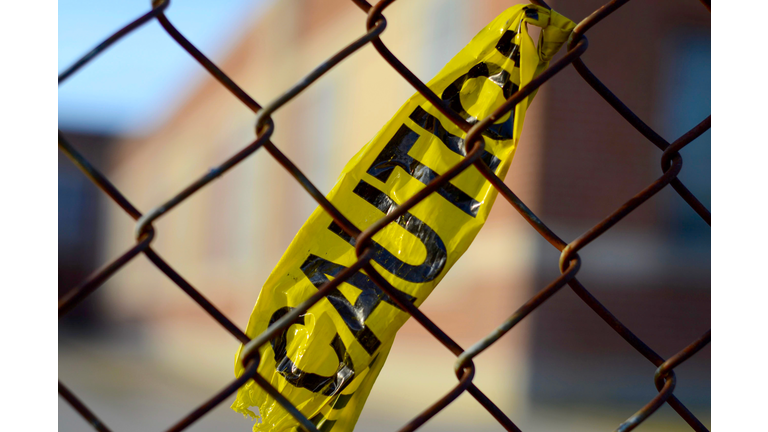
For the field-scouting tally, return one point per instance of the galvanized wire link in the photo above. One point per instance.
(570, 263)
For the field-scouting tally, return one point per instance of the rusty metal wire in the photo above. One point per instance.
(570, 263)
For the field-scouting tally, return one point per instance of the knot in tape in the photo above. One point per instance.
(555, 29)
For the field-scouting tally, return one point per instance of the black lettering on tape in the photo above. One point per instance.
(436, 257)
(455, 144)
(508, 47)
(327, 385)
(395, 154)
(497, 75)
(318, 269)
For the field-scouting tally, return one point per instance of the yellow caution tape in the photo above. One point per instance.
(326, 363)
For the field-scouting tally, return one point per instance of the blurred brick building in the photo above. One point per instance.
(81, 223)
(578, 160)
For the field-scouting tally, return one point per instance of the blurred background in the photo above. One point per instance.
(141, 354)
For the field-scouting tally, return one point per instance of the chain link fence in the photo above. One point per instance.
(671, 165)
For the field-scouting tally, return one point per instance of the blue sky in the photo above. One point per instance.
(140, 80)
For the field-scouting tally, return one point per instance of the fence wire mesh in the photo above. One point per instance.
(671, 164)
